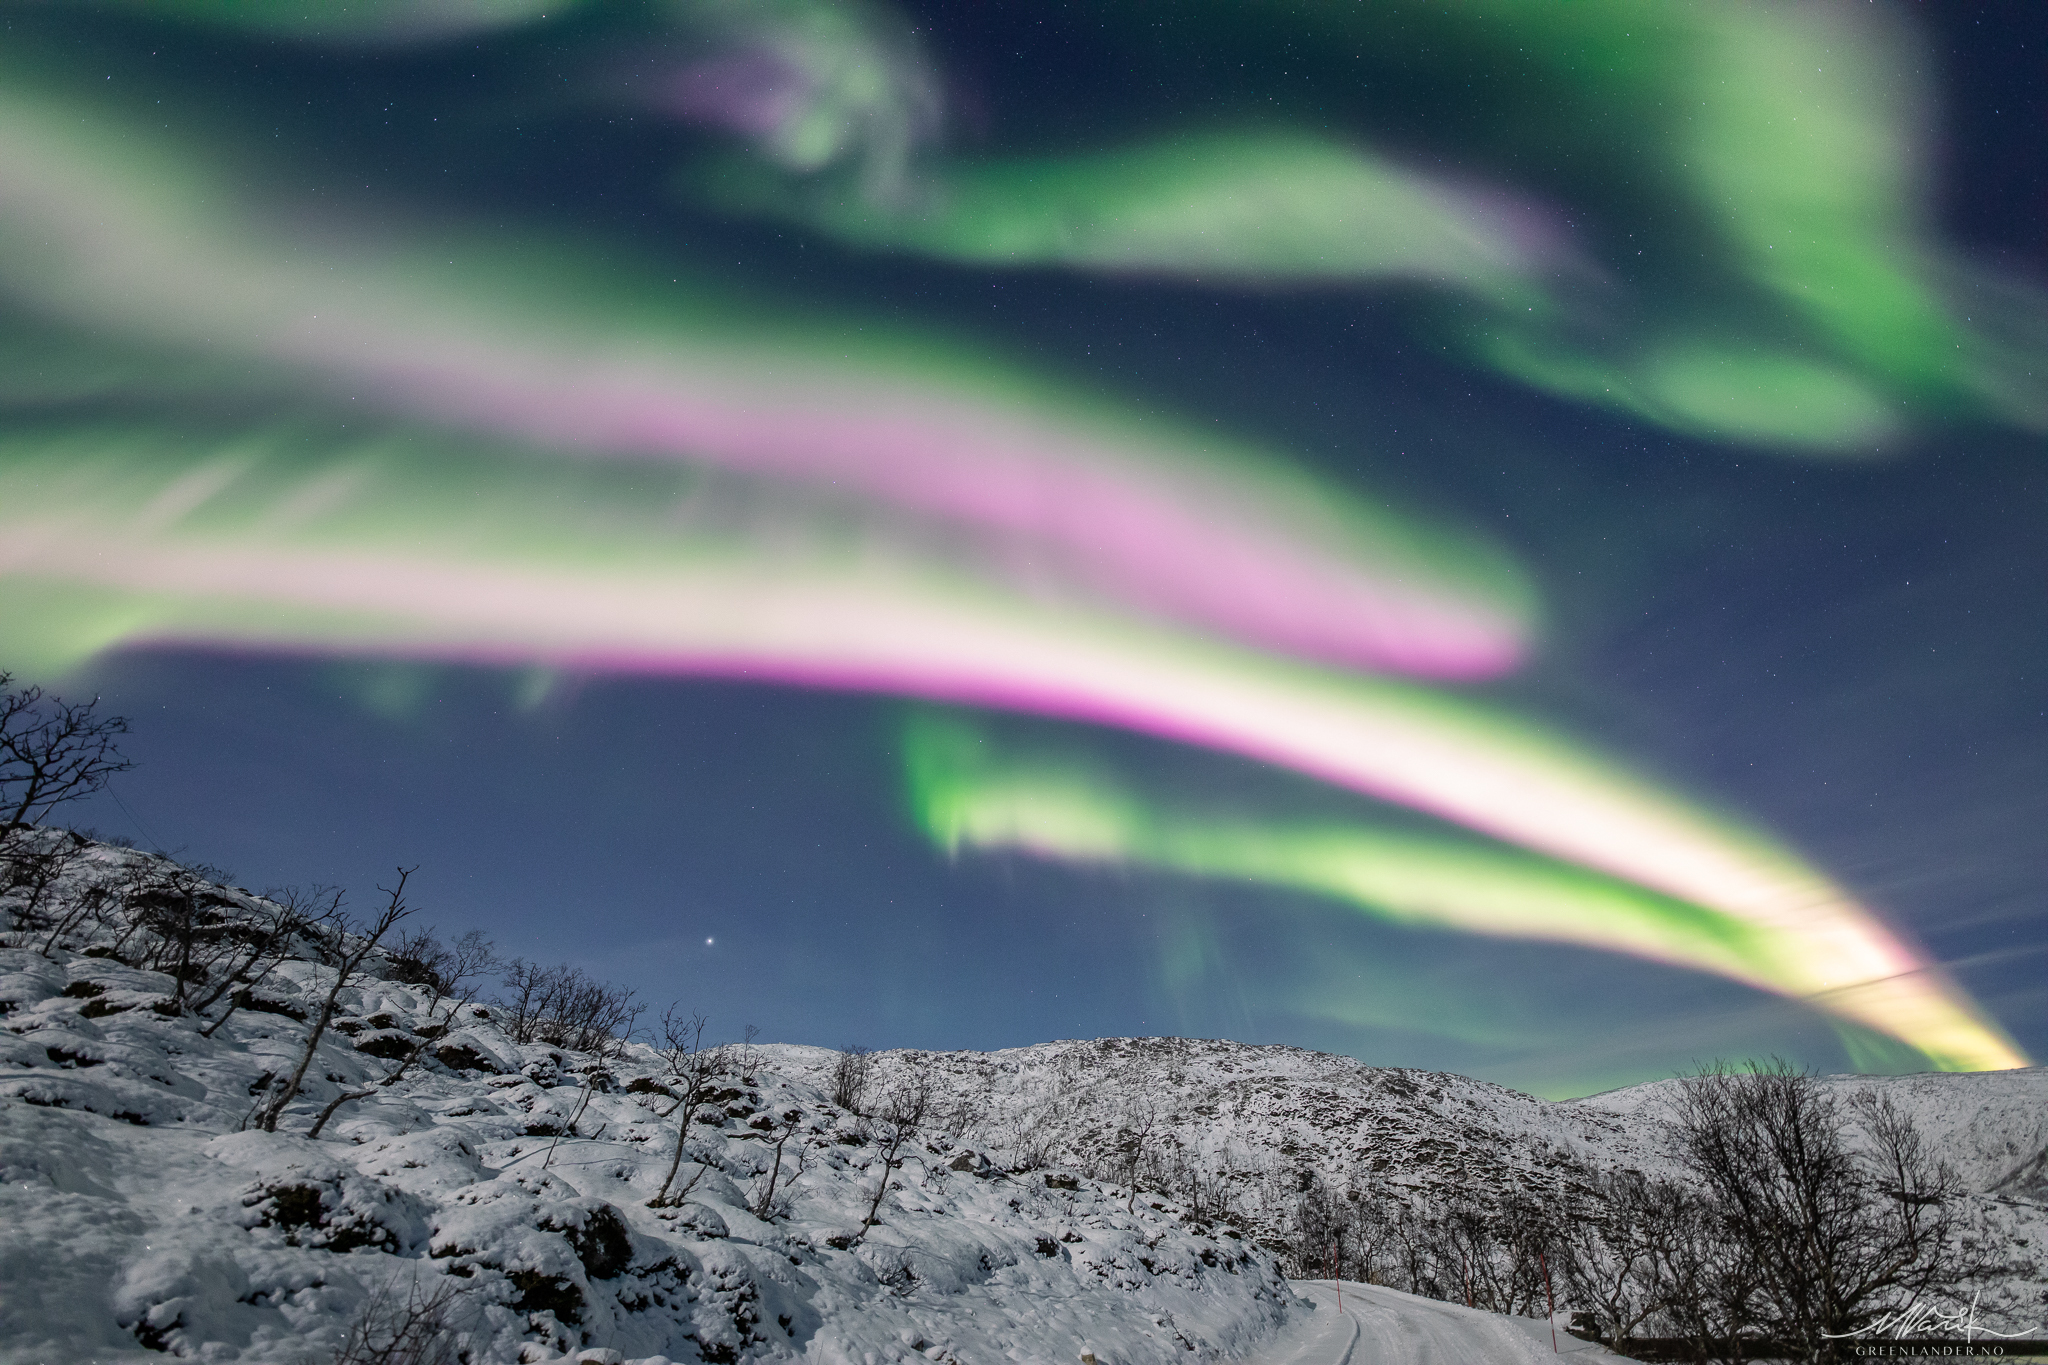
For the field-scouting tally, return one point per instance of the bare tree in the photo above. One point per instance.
(1823, 1233)
(291, 913)
(1410, 1238)
(575, 1117)
(186, 934)
(1133, 1139)
(52, 752)
(264, 940)
(1608, 1257)
(908, 1103)
(350, 956)
(748, 1057)
(565, 1007)
(850, 1070)
(444, 969)
(452, 974)
(691, 1066)
(1318, 1223)
(416, 1328)
(35, 867)
(763, 1204)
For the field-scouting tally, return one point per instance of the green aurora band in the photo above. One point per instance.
(354, 21)
(966, 792)
(1820, 318)
(1794, 296)
(1260, 205)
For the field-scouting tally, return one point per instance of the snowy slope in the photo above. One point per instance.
(1248, 1112)
(138, 1218)
(1992, 1126)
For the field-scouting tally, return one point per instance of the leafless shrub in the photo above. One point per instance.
(355, 947)
(35, 867)
(746, 1057)
(421, 959)
(270, 931)
(1209, 1196)
(191, 930)
(418, 1327)
(171, 918)
(907, 1105)
(690, 1067)
(451, 974)
(850, 1071)
(565, 1007)
(1031, 1139)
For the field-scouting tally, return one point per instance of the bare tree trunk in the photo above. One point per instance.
(765, 1205)
(1141, 1118)
(394, 911)
(908, 1104)
(690, 1063)
(581, 1105)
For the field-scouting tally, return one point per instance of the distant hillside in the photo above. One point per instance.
(1251, 1134)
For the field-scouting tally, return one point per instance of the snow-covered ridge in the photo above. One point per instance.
(1251, 1113)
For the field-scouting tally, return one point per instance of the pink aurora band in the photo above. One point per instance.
(112, 234)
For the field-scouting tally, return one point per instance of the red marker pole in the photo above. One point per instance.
(1549, 1298)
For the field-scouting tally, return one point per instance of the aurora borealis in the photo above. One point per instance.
(784, 353)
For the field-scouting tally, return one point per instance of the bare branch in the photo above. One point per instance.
(52, 752)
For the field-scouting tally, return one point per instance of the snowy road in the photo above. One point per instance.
(1386, 1327)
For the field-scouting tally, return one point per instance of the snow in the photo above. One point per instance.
(140, 1214)
(1373, 1325)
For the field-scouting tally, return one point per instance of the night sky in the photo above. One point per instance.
(1442, 534)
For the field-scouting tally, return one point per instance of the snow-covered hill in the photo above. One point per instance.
(1121, 1197)
(1237, 1131)
(140, 1216)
